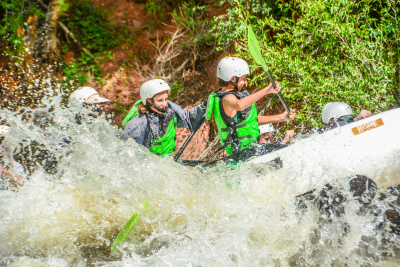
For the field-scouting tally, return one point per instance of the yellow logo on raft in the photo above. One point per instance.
(367, 126)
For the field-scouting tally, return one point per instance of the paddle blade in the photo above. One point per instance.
(124, 232)
(254, 49)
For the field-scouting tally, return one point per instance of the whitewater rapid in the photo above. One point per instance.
(228, 215)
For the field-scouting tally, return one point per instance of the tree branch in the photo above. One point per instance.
(67, 31)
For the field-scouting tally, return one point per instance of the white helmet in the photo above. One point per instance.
(87, 95)
(266, 128)
(232, 67)
(335, 110)
(153, 87)
(3, 130)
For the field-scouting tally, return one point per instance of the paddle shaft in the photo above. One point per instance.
(279, 93)
(202, 120)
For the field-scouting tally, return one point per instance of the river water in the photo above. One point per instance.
(228, 215)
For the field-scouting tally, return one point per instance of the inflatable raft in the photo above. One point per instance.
(369, 147)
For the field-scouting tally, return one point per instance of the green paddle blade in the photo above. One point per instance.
(124, 232)
(127, 229)
(254, 49)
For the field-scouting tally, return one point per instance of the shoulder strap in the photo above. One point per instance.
(230, 122)
(147, 132)
(210, 105)
(221, 93)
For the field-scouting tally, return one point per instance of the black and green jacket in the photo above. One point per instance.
(158, 131)
(239, 132)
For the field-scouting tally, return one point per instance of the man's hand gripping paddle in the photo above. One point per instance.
(254, 49)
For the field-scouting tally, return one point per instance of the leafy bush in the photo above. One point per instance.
(154, 8)
(321, 50)
(120, 108)
(85, 68)
(191, 18)
(14, 16)
(90, 23)
(176, 87)
(91, 26)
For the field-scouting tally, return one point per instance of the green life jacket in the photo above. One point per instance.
(166, 144)
(162, 143)
(238, 133)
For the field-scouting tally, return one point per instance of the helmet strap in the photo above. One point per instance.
(235, 84)
(156, 108)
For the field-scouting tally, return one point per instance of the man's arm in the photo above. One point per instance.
(231, 102)
(289, 133)
(277, 118)
(189, 118)
(363, 114)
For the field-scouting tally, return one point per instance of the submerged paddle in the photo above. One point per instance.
(126, 229)
(201, 121)
(254, 49)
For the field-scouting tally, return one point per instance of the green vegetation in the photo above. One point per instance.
(120, 108)
(85, 68)
(97, 34)
(190, 17)
(14, 20)
(194, 39)
(90, 23)
(198, 38)
(154, 8)
(176, 87)
(87, 22)
(321, 50)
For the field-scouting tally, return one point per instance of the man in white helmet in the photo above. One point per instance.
(336, 114)
(266, 132)
(235, 111)
(89, 97)
(153, 119)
